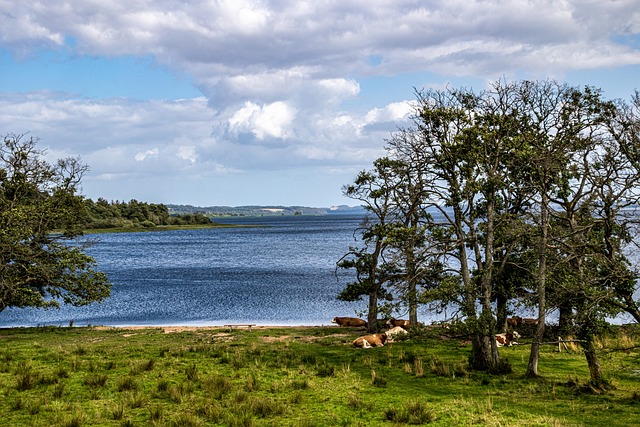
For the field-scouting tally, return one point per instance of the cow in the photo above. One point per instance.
(349, 321)
(392, 323)
(517, 321)
(368, 341)
(507, 339)
(514, 322)
(395, 331)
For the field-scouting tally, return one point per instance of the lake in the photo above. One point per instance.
(279, 272)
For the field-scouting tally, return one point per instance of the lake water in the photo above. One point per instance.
(281, 273)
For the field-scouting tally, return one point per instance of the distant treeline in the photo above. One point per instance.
(135, 214)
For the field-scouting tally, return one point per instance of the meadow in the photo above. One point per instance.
(299, 376)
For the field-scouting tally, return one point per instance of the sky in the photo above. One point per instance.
(282, 102)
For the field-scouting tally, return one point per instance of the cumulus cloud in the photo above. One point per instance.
(273, 120)
(393, 112)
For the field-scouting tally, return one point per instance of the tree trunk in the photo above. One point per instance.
(372, 315)
(488, 321)
(481, 356)
(565, 321)
(501, 312)
(412, 278)
(532, 368)
(595, 371)
(479, 359)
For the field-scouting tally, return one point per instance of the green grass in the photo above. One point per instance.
(296, 377)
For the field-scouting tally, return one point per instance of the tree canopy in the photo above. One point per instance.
(42, 263)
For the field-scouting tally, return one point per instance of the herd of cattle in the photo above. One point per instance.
(400, 327)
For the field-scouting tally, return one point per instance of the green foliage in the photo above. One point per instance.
(102, 214)
(40, 214)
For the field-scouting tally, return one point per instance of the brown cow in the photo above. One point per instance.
(507, 339)
(514, 322)
(368, 341)
(349, 321)
(517, 321)
(392, 323)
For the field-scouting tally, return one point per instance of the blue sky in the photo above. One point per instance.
(237, 102)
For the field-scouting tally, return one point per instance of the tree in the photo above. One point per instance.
(464, 140)
(375, 189)
(41, 265)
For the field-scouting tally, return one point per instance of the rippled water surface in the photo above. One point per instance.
(280, 273)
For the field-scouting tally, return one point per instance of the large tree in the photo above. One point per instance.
(42, 264)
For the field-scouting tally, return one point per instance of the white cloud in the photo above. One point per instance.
(273, 120)
(394, 112)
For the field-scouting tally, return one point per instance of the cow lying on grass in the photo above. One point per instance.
(368, 341)
(378, 340)
(349, 321)
(395, 331)
(507, 339)
(392, 323)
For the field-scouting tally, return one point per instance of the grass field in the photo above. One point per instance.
(297, 377)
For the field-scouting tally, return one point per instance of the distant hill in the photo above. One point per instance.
(214, 211)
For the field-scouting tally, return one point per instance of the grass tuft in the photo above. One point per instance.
(26, 378)
(216, 386)
(126, 384)
(377, 380)
(414, 413)
(191, 372)
(325, 370)
(96, 380)
(117, 412)
(186, 419)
